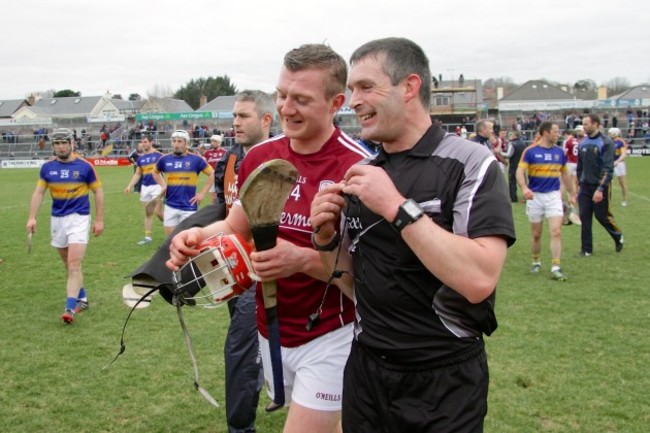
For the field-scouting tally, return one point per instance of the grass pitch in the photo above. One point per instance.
(568, 356)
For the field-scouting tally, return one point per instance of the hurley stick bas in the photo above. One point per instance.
(263, 196)
(30, 236)
(151, 206)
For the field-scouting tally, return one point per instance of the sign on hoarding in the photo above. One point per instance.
(571, 104)
(26, 121)
(191, 115)
(108, 162)
(23, 163)
(106, 118)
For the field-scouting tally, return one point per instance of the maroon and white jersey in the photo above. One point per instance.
(500, 145)
(213, 156)
(300, 295)
(571, 150)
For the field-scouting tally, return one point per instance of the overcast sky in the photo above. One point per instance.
(138, 46)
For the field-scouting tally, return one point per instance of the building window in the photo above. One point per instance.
(441, 101)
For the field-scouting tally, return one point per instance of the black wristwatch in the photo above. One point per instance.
(330, 246)
(408, 213)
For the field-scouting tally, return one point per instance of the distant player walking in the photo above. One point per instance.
(150, 191)
(182, 170)
(213, 155)
(620, 168)
(69, 179)
(546, 164)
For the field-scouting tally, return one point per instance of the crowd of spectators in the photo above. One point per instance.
(634, 125)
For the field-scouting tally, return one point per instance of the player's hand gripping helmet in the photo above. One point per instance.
(221, 271)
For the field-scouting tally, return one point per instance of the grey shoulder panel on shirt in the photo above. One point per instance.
(476, 160)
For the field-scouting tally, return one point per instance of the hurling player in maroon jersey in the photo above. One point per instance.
(310, 91)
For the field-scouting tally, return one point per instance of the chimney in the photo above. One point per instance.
(31, 99)
(203, 100)
(602, 92)
(499, 93)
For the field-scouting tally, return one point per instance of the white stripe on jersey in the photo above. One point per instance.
(479, 181)
(268, 140)
(353, 145)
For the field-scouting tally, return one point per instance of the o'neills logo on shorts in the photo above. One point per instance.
(328, 397)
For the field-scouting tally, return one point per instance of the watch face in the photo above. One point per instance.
(412, 208)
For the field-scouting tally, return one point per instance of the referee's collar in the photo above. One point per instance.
(423, 148)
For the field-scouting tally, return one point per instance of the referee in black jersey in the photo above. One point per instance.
(427, 223)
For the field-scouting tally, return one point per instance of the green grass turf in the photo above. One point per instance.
(568, 356)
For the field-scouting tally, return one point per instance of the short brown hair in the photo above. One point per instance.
(401, 57)
(320, 56)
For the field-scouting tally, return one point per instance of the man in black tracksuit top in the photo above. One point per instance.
(515, 150)
(594, 171)
(484, 133)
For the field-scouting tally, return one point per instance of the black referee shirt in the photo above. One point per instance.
(403, 310)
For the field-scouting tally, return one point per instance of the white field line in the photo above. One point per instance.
(642, 197)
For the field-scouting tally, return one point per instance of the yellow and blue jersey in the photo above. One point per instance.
(69, 184)
(618, 150)
(147, 164)
(544, 166)
(182, 175)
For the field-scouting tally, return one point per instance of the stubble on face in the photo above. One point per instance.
(63, 151)
(589, 127)
(247, 125)
(180, 147)
(375, 100)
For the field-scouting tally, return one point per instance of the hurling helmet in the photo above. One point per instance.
(614, 132)
(62, 134)
(179, 133)
(221, 271)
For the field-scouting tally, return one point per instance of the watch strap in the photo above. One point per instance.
(330, 246)
(404, 217)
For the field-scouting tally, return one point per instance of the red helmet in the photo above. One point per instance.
(222, 270)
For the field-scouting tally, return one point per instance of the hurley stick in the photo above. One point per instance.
(151, 206)
(263, 196)
(30, 235)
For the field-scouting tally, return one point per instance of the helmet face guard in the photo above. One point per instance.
(221, 271)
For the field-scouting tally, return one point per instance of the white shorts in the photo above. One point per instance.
(70, 229)
(544, 205)
(313, 372)
(572, 168)
(173, 217)
(620, 169)
(149, 192)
